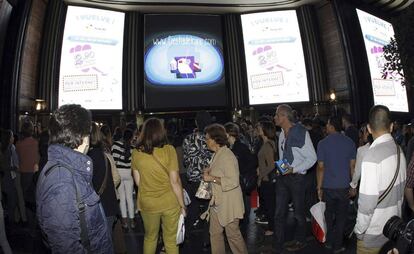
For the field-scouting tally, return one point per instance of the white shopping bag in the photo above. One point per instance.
(318, 221)
(180, 230)
(187, 199)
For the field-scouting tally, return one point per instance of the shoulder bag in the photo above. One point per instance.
(388, 190)
(204, 190)
(381, 197)
(103, 186)
(180, 235)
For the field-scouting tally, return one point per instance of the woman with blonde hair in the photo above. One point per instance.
(160, 194)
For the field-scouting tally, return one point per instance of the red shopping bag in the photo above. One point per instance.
(318, 221)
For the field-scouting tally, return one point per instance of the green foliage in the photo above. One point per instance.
(393, 67)
(404, 32)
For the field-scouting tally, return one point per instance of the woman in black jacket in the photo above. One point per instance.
(102, 177)
(247, 166)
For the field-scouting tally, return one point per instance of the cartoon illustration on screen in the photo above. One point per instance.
(267, 58)
(84, 58)
(378, 52)
(183, 60)
(184, 67)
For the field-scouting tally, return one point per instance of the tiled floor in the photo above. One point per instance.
(28, 240)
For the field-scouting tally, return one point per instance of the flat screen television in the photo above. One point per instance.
(387, 91)
(275, 63)
(91, 58)
(183, 61)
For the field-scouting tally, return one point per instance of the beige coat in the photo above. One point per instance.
(227, 197)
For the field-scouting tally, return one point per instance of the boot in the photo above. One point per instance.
(124, 223)
(132, 223)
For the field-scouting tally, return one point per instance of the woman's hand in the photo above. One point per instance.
(206, 175)
(184, 211)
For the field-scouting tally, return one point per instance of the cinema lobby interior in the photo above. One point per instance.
(126, 61)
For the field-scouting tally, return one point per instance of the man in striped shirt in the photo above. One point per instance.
(379, 167)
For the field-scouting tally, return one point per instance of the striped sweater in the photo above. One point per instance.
(122, 161)
(377, 171)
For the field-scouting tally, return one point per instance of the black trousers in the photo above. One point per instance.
(195, 209)
(269, 196)
(335, 215)
(311, 196)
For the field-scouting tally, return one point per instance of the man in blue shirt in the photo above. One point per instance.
(336, 163)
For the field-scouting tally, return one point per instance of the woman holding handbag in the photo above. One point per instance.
(160, 194)
(226, 205)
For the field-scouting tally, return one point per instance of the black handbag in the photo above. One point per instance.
(273, 174)
(248, 183)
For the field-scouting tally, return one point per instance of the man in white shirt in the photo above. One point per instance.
(378, 169)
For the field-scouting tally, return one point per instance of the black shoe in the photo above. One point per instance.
(340, 250)
(206, 246)
(162, 250)
(261, 220)
(327, 246)
(297, 246)
(289, 243)
(196, 223)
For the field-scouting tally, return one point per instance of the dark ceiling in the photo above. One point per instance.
(224, 6)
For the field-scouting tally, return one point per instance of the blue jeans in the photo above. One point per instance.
(335, 215)
(290, 187)
(110, 220)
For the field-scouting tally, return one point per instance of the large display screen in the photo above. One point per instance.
(389, 91)
(183, 62)
(91, 58)
(275, 63)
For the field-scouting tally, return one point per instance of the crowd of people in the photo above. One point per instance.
(89, 182)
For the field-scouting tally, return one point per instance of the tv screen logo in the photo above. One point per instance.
(184, 67)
